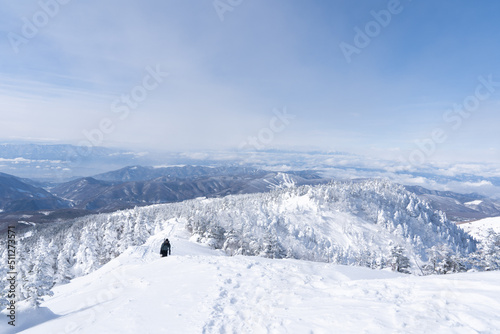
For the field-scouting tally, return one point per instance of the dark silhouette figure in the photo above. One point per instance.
(165, 248)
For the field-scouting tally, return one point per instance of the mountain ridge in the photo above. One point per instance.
(16, 195)
(145, 185)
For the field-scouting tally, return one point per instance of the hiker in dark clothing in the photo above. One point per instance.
(165, 248)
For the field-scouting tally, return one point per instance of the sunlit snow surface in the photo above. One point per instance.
(199, 290)
(479, 228)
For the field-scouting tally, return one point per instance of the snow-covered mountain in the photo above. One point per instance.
(373, 223)
(459, 207)
(488, 207)
(16, 195)
(133, 186)
(138, 185)
(201, 290)
(144, 173)
(481, 228)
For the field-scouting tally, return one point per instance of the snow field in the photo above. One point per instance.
(199, 290)
(479, 228)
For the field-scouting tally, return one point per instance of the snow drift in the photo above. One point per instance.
(199, 290)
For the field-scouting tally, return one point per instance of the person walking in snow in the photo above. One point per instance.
(165, 248)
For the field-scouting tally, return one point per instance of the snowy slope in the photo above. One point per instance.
(199, 290)
(479, 228)
(373, 224)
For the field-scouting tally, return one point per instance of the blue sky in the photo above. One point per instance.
(225, 77)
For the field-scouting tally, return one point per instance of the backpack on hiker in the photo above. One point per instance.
(165, 249)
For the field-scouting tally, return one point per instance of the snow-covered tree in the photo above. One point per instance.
(442, 260)
(399, 261)
(272, 247)
(232, 244)
(87, 255)
(341, 222)
(4, 284)
(40, 278)
(487, 256)
(214, 236)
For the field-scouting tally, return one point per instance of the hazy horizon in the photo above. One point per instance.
(403, 80)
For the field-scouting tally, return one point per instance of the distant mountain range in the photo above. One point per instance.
(16, 195)
(138, 185)
(141, 173)
(24, 199)
(459, 207)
